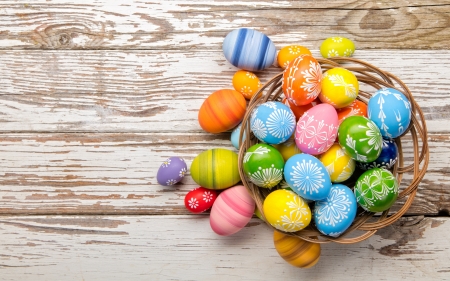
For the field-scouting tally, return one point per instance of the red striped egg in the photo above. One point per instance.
(221, 111)
(231, 211)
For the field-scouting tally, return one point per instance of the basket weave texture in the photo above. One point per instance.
(365, 223)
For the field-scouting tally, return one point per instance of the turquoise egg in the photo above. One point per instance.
(235, 136)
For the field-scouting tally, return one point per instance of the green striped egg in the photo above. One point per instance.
(215, 169)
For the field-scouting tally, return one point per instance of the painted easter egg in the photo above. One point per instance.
(356, 108)
(235, 136)
(246, 83)
(231, 211)
(307, 177)
(387, 159)
(199, 199)
(249, 49)
(272, 122)
(299, 110)
(376, 190)
(340, 166)
(317, 129)
(337, 47)
(296, 251)
(302, 80)
(215, 168)
(339, 87)
(263, 165)
(289, 53)
(391, 112)
(171, 171)
(335, 214)
(222, 111)
(286, 211)
(288, 148)
(360, 138)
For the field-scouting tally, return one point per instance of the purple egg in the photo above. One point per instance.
(171, 171)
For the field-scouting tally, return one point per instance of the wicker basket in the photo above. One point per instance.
(365, 223)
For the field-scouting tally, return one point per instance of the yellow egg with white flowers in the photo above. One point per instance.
(286, 211)
(340, 87)
(340, 166)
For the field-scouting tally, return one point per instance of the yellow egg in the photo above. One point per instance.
(339, 165)
(288, 148)
(337, 47)
(289, 53)
(296, 251)
(246, 83)
(340, 87)
(286, 211)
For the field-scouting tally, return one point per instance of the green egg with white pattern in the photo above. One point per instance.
(337, 47)
(263, 165)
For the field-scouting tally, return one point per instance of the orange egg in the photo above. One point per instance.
(289, 53)
(246, 83)
(222, 111)
(302, 80)
(298, 110)
(356, 108)
(296, 251)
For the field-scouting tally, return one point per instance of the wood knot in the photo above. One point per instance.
(64, 39)
(377, 19)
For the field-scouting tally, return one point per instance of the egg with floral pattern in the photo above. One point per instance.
(302, 80)
(340, 87)
(263, 165)
(340, 166)
(289, 53)
(317, 129)
(337, 47)
(307, 177)
(334, 214)
(356, 108)
(272, 122)
(390, 110)
(231, 211)
(199, 199)
(286, 211)
(387, 159)
(171, 171)
(246, 83)
(299, 110)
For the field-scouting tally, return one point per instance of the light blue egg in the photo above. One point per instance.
(272, 122)
(235, 136)
(249, 49)
(390, 110)
(336, 213)
(307, 177)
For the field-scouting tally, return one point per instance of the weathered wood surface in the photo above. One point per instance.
(184, 248)
(122, 24)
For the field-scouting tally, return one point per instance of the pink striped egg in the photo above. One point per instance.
(231, 211)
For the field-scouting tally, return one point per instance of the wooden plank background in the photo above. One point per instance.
(96, 94)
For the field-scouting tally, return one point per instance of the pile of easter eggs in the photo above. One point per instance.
(310, 143)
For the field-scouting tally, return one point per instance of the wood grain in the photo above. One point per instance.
(154, 91)
(185, 248)
(102, 24)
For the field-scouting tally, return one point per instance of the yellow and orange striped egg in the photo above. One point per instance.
(296, 251)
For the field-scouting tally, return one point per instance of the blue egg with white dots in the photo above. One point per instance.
(387, 159)
(335, 214)
(249, 49)
(307, 177)
(390, 110)
(272, 122)
(235, 136)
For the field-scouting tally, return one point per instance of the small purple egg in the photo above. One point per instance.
(171, 171)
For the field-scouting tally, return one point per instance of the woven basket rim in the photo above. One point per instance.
(368, 74)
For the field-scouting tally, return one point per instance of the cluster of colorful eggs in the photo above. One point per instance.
(310, 143)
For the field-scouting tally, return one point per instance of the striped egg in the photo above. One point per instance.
(249, 49)
(296, 251)
(215, 169)
(231, 211)
(221, 111)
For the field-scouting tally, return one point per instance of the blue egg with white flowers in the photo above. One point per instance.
(390, 110)
(307, 177)
(387, 159)
(249, 49)
(335, 214)
(235, 136)
(272, 122)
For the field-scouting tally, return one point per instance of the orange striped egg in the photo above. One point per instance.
(222, 111)
(296, 251)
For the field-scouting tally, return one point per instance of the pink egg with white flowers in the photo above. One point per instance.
(317, 129)
(232, 210)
